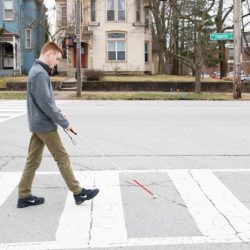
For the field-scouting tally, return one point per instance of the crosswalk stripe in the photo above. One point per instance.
(100, 223)
(108, 226)
(206, 216)
(11, 117)
(8, 182)
(19, 107)
(5, 114)
(74, 224)
(225, 202)
(11, 109)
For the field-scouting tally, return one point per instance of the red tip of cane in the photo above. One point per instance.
(144, 188)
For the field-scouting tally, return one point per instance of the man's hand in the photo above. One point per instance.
(71, 129)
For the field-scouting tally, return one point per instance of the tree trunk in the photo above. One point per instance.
(161, 59)
(198, 81)
(198, 63)
(175, 45)
(222, 58)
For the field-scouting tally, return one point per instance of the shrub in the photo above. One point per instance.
(93, 75)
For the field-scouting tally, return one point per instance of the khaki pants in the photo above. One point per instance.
(36, 146)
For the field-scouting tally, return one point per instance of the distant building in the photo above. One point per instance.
(116, 36)
(22, 34)
(245, 66)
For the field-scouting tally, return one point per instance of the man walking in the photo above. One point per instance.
(43, 118)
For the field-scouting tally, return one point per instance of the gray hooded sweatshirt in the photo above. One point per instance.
(43, 114)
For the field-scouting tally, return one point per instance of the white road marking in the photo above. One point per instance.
(131, 242)
(165, 170)
(155, 170)
(207, 218)
(74, 224)
(8, 182)
(108, 226)
(5, 114)
(91, 230)
(225, 202)
(11, 109)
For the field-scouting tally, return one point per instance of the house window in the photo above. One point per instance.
(64, 15)
(75, 10)
(138, 10)
(116, 47)
(146, 17)
(93, 11)
(64, 48)
(8, 10)
(28, 38)
(146, 52)
(116, 10)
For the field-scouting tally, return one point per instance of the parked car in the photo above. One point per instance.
(216, 74)
(247, 78)
(231, 75)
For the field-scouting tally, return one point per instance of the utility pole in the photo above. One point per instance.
(237, 50)
(78, 48)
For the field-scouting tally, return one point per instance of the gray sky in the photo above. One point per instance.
(50, 4)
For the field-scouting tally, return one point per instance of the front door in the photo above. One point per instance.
(84, 53)
(7, 55)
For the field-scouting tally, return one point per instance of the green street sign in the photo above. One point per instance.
(221, 36)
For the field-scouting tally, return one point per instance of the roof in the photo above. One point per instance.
(7, 33)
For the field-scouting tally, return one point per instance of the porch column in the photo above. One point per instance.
(14, 52)
(19, 56)
(1, 56)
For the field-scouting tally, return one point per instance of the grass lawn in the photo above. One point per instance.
(157, 78)
(151, 96)
(124, 95)
(71, 95)
(14, 95)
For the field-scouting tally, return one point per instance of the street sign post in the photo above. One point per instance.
(221, 36)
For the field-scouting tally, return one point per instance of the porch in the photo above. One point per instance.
(10, 54)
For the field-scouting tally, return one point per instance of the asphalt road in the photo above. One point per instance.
(194, 155)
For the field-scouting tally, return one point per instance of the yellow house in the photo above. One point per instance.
(116, 36)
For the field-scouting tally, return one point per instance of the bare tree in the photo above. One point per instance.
(196, 14)
(221, 16)
(161, 14)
